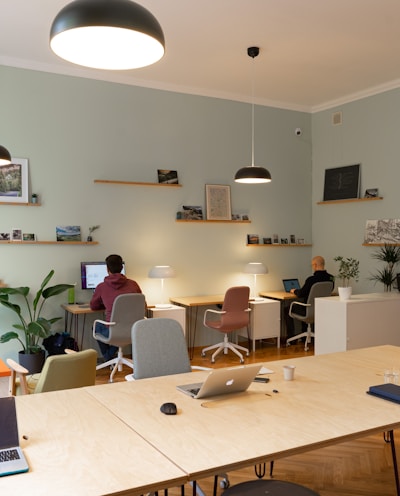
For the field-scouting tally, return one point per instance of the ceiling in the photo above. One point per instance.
(314, 54)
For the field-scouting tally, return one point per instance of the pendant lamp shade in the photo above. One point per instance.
(107, 34)
(5, 157)
(252, 174)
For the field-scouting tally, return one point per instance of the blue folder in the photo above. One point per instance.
(388, 391)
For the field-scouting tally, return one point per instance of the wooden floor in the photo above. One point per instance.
(357, 468)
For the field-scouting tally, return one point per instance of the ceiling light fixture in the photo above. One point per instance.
(107, 34)
(5, 156)
(252, 174)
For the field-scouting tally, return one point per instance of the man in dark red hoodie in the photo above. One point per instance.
(104, 295)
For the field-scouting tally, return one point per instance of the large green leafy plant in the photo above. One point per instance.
(348, 270)
(390, 255)
(33, 326)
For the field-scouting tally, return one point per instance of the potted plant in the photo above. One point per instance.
(390, 254)
(91, 230)
(34, 327)
(348, 270)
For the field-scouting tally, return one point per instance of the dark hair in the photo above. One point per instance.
(114, 264)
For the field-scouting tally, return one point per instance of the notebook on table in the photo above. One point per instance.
(12, 460)
(388, 391)
(289, 284)
(222, 381)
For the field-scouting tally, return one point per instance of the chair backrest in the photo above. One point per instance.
(236, 306)
(158, 348)
(318, 290)
(126, 310)
(68, 371)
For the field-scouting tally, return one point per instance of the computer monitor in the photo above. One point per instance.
(93, 273)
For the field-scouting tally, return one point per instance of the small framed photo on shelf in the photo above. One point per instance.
(253, 239)
(218, 202)
(191, 212)
(275, 239)
(284, 241)
(267, 241)
(28, 237)
(236, 217)
(300, 241)
(245, 217)
(371, 193)
(14, 181)
(292, 239)
(5, 236)
(166, 176)
(16, 234)
(68, 233)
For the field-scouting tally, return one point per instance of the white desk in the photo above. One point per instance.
(364, 320)
(172, 312)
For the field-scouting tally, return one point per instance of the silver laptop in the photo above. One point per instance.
(12, 460)
(289, 284)
(222, 381)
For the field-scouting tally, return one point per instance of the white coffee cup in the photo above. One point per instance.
(288, 372)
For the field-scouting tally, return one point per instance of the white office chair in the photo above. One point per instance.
(305, 311)
(127, 309)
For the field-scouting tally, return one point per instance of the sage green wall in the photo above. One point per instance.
(370, 135)
(76, 130)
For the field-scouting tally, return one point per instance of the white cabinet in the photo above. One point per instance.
(265, 321)
(363, 321)
(173, 312)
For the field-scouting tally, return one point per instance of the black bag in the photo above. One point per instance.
(56, 343)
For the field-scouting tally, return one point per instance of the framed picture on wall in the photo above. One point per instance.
(218, 201)
(14, 181)
(342, 183)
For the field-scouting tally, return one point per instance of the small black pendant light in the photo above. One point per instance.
(107, 34)
(252, 174)
(5, 156)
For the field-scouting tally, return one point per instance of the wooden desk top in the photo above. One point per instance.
(197, 301)
(278, 295)
(328, 397)
(77, 447)
(4, 370)
(79, 309)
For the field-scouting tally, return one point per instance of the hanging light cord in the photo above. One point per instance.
(252, 115)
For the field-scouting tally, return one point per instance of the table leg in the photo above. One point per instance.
(394, 458)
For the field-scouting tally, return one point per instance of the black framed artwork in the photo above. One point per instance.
(342, 183)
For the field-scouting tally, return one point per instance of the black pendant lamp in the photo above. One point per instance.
(107, 34)
(252, 174)
(5, 156)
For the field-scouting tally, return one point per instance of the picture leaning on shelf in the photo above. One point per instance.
(253, 239)
(167, 176)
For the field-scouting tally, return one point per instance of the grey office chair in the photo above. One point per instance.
(127, 309)
(235, 315)
(305, 311)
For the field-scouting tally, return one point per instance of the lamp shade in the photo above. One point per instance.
(107, 34)
(252, 174)
(5, 157)
(161, 272)
(255, 268)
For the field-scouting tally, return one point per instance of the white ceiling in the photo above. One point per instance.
(314, 54)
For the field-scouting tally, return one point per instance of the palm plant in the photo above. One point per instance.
(390, 255)
(33, 326)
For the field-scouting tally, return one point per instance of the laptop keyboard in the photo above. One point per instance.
(194, 391)
(8, 455)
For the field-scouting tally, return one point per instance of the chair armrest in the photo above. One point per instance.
(197, 367)
(69, 351)
(101, 322)
(210, 310)
(19, 371)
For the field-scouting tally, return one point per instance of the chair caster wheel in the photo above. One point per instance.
(224, 484)
(287, 345)
(203, 354)
(212, 360)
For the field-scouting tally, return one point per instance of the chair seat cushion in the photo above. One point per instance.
(270, 487)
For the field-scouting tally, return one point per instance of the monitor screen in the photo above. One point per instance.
(92, 273)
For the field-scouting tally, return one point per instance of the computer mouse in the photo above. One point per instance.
(169, 408)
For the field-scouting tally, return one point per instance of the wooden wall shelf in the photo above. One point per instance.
(381, 244)
(22, 204)
(61, 243)
(276, 245)
(134, 183)
(350, 200)
(215, 221)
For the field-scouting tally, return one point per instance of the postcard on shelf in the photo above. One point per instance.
(5, 236)
(167, 176)
(16, 234)
(192, 213)
(253, 239)
(28, 237)
(68, 233)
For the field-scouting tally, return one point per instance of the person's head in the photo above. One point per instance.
(318, 263)
(114, 264)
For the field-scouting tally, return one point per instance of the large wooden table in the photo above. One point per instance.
(113, 439)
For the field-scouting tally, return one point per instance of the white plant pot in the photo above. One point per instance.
(345, 293)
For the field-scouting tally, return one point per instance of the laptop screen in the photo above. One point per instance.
(289, 284)
(8, 423)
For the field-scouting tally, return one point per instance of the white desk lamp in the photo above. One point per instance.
(162, 272)
(255, 268)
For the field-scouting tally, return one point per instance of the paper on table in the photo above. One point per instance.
(264, 370)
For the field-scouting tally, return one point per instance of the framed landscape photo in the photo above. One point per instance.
(68, 233)
(218, 201)
(167, 176)
(28, 237)
(14, 181)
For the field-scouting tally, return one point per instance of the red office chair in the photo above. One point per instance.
(235, 315)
